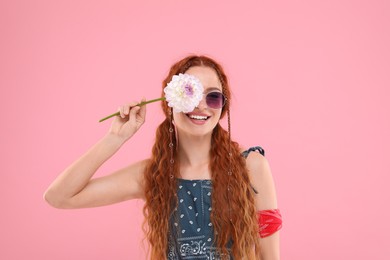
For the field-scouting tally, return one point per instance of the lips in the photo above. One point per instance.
(198, 118)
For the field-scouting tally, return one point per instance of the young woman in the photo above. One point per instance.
(205, 197)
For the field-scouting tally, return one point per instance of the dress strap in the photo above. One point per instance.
(253, 149)
(247, 152)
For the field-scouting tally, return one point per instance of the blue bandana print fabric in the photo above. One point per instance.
(191, 233)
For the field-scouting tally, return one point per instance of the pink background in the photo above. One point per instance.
(311, 85)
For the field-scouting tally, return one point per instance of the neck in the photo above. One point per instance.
(194, 151)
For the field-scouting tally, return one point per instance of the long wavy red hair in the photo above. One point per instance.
(237, 223)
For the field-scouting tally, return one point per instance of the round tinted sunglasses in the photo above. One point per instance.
(215, 99)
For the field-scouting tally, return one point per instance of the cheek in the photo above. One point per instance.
(178, 117)
(219, 114)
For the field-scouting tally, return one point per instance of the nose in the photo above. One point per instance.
(202, 104)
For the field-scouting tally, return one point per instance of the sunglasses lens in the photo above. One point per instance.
(215, 100)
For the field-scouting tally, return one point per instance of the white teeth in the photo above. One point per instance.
(198, 117)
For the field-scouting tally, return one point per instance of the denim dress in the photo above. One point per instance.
(191, 234)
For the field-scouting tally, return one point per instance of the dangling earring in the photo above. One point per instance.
(171, 161)
(229, 187)
(176, 135)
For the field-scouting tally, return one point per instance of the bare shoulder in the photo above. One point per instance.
(262, 181)
(256, 160)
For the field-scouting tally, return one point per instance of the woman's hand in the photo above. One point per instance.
(131, 118)
(75, 188)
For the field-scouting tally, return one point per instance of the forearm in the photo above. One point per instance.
(74, 178)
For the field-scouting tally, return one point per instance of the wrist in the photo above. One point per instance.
(113, 140)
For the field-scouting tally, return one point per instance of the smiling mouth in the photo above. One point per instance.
(197, 117)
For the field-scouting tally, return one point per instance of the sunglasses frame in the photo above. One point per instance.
(224, 98)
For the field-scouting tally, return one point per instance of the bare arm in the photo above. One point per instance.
(261, 178)
(74, 188)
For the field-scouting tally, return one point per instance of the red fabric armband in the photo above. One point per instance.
(270, 221)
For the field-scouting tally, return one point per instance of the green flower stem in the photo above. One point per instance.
(139, 104)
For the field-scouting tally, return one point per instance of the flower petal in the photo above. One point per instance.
(183, 93)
